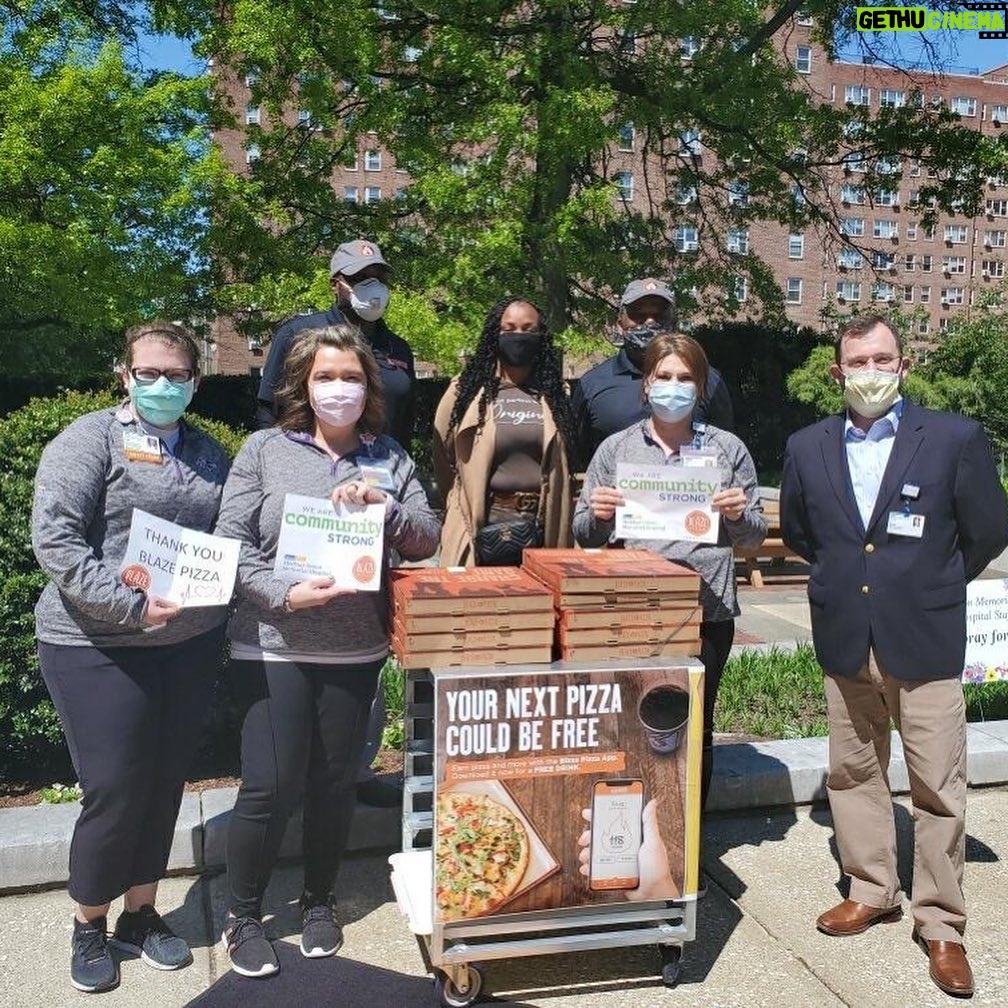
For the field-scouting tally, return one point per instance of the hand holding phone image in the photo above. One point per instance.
(635, 862)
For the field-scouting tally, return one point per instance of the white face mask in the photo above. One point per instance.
(338, 403)
(369, 299)
(870, 393)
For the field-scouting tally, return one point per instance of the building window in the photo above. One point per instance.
(923, 326)
(350, 194)
(251, 77)
(847, 290)
(885, 229)
(891, 98)
(686, 238)
(741, 290)
(252, 117)
(999, 114)
(995, 239)
(304, 119)
(887, 197)
(372, 194)
(688, 47)
(351, 162)
(883, 292)
(738, 194)
(797, 194)
(889, 166)
(953, 264)
(927, 263)
(964, 106)
(803, 59)
(911, 231)
(942, 324)
(997, 207)
(796, 246)
(794, 286)
(993, 269)
(908, 294)
(956, 234)
(952, 295)
(854, 161)
(857, 94)
(883, 260)
(909, 263)
(626, 137)
(915, 169)
(853, 227)
(852, 194)
(913, 199)
(849, 259)
(925, 295)
(372, 160)
(624, 185)
(627, 42)
(252, 153)
(928, 232)
(685, 195)
(738, 240)
(689, 142)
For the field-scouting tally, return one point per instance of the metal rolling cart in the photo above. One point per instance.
(455, 948)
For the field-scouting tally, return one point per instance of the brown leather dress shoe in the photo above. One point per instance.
(949, 967)
(851, 918)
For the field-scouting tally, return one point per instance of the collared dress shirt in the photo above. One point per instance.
(867, 456)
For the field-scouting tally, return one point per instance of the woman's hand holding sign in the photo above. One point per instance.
(731, 503)
(313, 592)
(158, 611)
(604, 501)
(360, 492)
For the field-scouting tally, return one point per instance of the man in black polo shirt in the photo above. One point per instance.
(608, 397)
(358, 274)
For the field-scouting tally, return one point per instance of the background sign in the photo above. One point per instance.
(986, 631)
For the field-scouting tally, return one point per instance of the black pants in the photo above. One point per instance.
(133, 717)
(715, 647)
(303, 731)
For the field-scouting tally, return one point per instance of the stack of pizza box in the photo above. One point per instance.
(448, 616)
(613, 604)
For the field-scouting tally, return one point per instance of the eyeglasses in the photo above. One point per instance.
(149, 375)
(882, 362)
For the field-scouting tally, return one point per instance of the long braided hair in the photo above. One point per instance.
(544, 380)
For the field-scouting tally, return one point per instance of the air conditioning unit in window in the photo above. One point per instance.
(985, 274)
(891, 267)
(988, 243)
(996, 120)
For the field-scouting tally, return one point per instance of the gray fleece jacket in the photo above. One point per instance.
(348, 628)
(85, 492)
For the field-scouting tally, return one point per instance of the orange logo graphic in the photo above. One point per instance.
(366, 250)
(697, 523)
(363, 569)
(136, 576)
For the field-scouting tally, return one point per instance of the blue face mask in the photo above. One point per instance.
(672, 400)
(162, 402)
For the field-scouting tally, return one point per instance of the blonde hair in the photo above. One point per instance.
(686, 349)
(295, 411)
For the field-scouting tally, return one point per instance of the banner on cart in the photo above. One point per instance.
(986, 631)
(563, 789)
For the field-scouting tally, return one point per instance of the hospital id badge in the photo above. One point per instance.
(377, 476)
(902, 523)
(140, 447)
(698, 458)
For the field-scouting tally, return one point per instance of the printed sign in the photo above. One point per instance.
(320, 539)
(177, 564)
(670, 502)
(986, 631)
(565, 789)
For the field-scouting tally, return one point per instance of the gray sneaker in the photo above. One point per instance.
(92, 967)
(144, 933)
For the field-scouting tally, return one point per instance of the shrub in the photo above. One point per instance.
(28, 722)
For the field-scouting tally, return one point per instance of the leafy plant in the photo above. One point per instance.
(59, 794)
(393, 682)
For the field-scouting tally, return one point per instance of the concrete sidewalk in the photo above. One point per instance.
(756, 945)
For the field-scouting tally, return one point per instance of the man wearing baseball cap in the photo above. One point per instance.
(608, 397)
(358, 274)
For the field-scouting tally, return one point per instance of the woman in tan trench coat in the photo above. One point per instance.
(502, 436)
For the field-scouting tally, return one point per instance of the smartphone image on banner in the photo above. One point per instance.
(615, 833)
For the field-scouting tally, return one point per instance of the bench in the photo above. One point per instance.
(772, 548)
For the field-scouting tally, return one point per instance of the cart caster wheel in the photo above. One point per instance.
(449, 996)
(671, 964)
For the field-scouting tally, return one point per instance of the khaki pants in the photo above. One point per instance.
(931, 720)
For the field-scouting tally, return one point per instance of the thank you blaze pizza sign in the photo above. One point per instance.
(558, 788)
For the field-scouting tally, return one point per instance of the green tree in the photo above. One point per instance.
(107, 179)
(507, 118)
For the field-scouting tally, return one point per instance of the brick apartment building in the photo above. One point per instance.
(935, 273)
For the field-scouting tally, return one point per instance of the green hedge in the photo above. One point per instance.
(28, 723)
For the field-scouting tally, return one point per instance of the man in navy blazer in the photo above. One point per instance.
(896, 508)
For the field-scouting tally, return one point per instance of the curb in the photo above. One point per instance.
(35, 839)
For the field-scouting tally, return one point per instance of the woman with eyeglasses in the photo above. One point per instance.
(131, 675)
(503, 435)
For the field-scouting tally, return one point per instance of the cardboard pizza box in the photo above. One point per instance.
(671, 614)
(453, 640)
(614, 652)
(616, 601)
(684, 634)
(583, 571)
(470, 622)
(457, 590)
(480, 656)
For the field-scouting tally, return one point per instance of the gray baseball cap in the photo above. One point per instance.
(353, 256)
(647, 287)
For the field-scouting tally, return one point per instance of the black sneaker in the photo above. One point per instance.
(92, 967)
(144, 933)
(320, 934)
(248, 948)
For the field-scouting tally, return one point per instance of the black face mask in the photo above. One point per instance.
(635, 340)
(519, 349)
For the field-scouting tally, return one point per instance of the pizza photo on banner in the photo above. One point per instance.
(564, 789)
